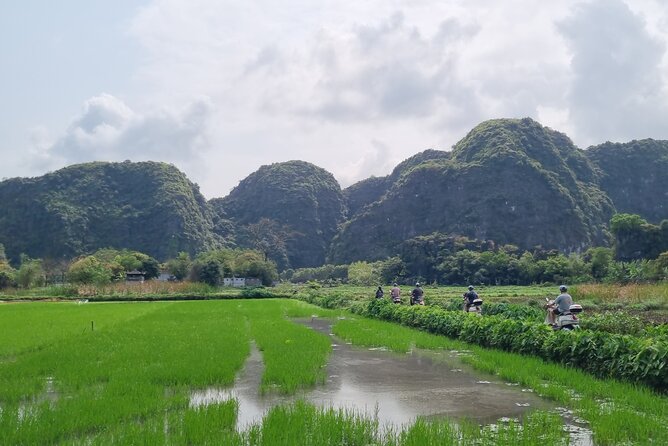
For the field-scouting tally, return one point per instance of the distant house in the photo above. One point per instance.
(134, 276)
(241, 281)
(234, 281)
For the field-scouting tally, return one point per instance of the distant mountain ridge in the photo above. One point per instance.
(511, 181)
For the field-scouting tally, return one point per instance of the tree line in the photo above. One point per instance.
(639, 253)
(111, 265)
(492, 268)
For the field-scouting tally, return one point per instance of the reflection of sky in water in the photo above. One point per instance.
(396, 388)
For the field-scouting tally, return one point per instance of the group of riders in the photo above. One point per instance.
(561, 305)
(417, 295)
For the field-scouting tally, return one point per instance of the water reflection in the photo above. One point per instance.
(394, 388)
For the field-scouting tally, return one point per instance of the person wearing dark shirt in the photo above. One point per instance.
(469, 297)
(417, 295)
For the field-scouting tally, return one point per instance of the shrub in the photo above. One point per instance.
(600, 353)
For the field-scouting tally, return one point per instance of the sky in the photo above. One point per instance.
(221, 87)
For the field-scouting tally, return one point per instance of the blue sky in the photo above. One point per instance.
(219, 88)
(57, 54)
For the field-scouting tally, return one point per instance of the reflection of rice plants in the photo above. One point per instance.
(619, 413)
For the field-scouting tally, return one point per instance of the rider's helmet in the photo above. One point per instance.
(470, 287)
(394, 284)
(563, 288)
(417, 284)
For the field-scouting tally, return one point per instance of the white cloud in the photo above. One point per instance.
(108, 130)
(374, 162)
(327, 83)
(356, 87)
(618, 90)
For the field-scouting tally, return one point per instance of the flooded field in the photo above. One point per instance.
(269, 371)
(392, 388)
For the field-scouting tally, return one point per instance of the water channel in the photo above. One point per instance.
(394, 388)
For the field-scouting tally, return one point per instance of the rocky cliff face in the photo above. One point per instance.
(149, 207)
(635, 176)
(304, 201)
(511, 181)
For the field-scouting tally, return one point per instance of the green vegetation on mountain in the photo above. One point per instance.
(372, 189)
(635, 239)
(298, 204)
(150, 207)
(635, 176)
(365, 192)
(507, 182)
(511, 181)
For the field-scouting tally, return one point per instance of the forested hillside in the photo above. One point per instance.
(635, 176)
(289, 210)
(510, 181)
(150, 207)
(372, 189)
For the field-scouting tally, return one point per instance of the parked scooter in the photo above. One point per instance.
(565, 321)
(475, 307)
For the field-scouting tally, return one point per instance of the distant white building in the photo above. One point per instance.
(234, 281)
(241, 281)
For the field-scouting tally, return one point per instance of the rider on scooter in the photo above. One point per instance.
(396, 293)
(469, 297)
(417, 295)
(563, 302)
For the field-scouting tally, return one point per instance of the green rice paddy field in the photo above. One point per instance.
(123, 373)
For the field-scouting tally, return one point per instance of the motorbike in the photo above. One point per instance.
(475, 307)
(567, 320)
(417, 301)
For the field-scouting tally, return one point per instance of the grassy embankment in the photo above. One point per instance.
(122, 291)
(647, 301)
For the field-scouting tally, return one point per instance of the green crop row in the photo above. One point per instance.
(294, 355)
(622, 323)
(510, 311)
(602, 354)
